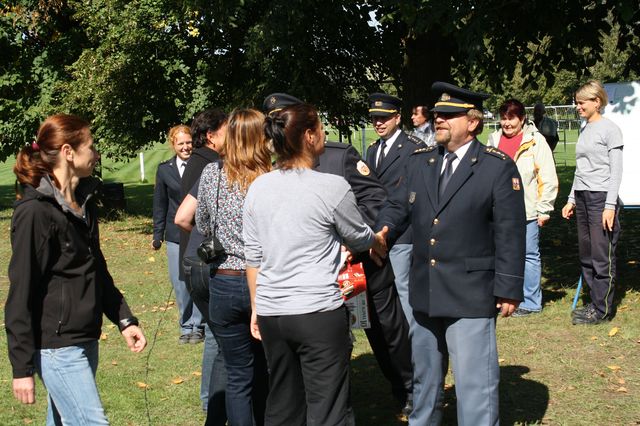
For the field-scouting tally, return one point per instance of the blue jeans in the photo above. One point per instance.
(69, 374)
(214, 376)
(190, 317)
(230, 313)
(400, 258)
(532, 270)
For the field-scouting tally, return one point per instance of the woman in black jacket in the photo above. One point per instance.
(59, 283)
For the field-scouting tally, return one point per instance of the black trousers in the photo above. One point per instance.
(308, 359)
(389, 332)
(597, 248)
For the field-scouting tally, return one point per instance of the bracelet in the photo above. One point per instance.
(127, 322)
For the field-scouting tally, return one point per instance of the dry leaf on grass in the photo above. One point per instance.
(613, 367)
(177, 380)
(114, 362)
(571, 388)
(151, 259)
(27, 421)
(621, 381)
(594, 338)
(104, 336)
(142, 385)
(614, 331)
(197, 373)
(621, 389)
(501, 360)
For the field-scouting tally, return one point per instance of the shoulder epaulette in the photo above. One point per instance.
(425, 149)
(496, 152)
(416, 140)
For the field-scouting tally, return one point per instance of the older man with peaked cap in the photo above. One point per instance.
(466, 205)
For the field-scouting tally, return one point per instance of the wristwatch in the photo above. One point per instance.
(126, 322)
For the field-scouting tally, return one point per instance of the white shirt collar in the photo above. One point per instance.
(460, 153)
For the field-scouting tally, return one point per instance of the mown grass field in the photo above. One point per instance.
(552, 372)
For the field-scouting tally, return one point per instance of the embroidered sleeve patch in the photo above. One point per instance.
(516, 184)
(363, 169)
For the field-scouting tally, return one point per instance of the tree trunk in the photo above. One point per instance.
(427, 59)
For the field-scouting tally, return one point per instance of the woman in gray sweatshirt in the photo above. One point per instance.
(594, 199)
(295, 220)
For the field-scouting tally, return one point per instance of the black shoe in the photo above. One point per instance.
(581, 310)
(408, 407)
(196, 337)
(521, 312)
(589, 316)
(183, 339)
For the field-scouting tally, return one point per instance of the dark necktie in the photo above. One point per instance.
(383, 143)
(445, 177)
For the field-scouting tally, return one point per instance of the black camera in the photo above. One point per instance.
(210, 249)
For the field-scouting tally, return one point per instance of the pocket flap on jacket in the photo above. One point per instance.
(485, 263)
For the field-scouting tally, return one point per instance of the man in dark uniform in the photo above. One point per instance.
(389, 332)
(466, 205)
(388, 155)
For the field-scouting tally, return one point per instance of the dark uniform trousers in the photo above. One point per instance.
(389, 332)
(468, 250)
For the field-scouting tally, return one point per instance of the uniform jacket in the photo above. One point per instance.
(167, 196)
(392, 170)
(343, 160)
(59, 283)
(469, 246)
(537, 170)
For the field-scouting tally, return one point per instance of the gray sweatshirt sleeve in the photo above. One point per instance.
(355, 233)
(615, 167)
(252, 246)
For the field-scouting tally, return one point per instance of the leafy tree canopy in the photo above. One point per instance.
(134, 68)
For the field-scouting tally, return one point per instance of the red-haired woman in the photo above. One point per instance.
(59, 283)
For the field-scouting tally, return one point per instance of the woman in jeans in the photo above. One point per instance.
(521, 141)
(295, 220)
(221, 196)
(59, 284)
(594, 200)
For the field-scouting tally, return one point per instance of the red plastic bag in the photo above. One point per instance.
(352, 280)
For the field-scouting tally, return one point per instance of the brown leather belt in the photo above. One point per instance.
(234, 272)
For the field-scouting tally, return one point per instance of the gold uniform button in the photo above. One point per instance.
(433, 262)
(432, 241)
(436, 221)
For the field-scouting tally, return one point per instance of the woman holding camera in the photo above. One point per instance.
(295, 220)
(221, 196)
(59, 283)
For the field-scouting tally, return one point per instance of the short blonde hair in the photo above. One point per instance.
(593, 90)
(173, 133)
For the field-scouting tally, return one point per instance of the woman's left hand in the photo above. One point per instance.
(134, 337)
(543, 219)
(608, 217)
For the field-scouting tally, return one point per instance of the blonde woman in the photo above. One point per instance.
(220, 202)
(594, 200)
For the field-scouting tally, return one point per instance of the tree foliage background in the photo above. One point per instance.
(134, 68)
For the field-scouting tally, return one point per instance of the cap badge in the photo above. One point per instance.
(377, 103)
(363, 169)
(412, 197)
(273, 100)
(445, 97)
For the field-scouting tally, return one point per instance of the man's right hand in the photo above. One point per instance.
(24, 390)
(379, 248)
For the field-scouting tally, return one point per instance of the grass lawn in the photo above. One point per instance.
(552, 372)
